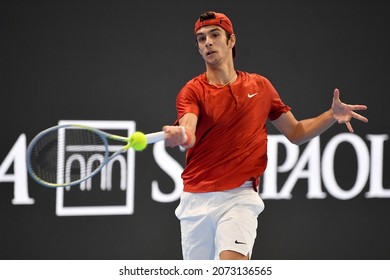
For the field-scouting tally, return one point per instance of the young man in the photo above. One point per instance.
(222, 115)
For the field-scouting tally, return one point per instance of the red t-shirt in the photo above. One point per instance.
(231, 135)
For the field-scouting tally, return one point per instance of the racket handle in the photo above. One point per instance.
(155, 137)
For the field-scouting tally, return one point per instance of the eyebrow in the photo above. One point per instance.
(210, 31)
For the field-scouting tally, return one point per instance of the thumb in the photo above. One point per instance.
(336, 94)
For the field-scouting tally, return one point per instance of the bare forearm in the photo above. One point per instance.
(299, 132)
(307, 129)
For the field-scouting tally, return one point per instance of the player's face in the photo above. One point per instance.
(213, 44)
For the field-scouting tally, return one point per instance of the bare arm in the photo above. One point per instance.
(299, 132)
(176, 135)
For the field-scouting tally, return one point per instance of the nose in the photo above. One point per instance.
(208, 42)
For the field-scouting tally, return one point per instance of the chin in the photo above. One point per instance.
(212, 61)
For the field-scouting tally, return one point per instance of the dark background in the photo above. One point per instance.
(127, 60)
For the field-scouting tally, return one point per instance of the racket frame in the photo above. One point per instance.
(151, 138)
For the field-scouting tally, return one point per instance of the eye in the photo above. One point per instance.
(201, 39)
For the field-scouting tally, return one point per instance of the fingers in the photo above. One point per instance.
(349, 126)
(346, 111)
(336, 96)
(175, 135)
(358, 107)
(359, 117)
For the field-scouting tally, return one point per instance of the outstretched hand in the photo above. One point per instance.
(343, 113)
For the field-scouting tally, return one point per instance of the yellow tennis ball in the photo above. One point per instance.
(138, 141)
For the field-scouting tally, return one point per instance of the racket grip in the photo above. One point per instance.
(155, 137)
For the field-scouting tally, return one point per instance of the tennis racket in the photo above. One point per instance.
(47, 152)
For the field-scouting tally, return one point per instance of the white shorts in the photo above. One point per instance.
(217, 221)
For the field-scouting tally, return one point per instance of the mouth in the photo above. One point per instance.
(210, 52)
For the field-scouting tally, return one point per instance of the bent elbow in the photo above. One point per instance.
(296, 140)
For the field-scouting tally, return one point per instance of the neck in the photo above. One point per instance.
(221, 76)
(222, 83)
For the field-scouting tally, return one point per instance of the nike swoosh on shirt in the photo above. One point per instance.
(252, 95)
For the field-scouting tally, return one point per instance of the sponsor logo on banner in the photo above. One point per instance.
(112, 191)
(104, 182)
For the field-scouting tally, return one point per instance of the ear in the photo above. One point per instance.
(232, 40)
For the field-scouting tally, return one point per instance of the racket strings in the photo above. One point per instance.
(67, 155)
(43, 158)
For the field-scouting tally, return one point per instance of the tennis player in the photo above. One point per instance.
(221, 121)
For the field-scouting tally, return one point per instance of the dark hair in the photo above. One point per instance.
(206, 16)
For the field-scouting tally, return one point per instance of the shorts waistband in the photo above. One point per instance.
(247, 184)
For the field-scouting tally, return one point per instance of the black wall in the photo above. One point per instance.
(127, 60)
